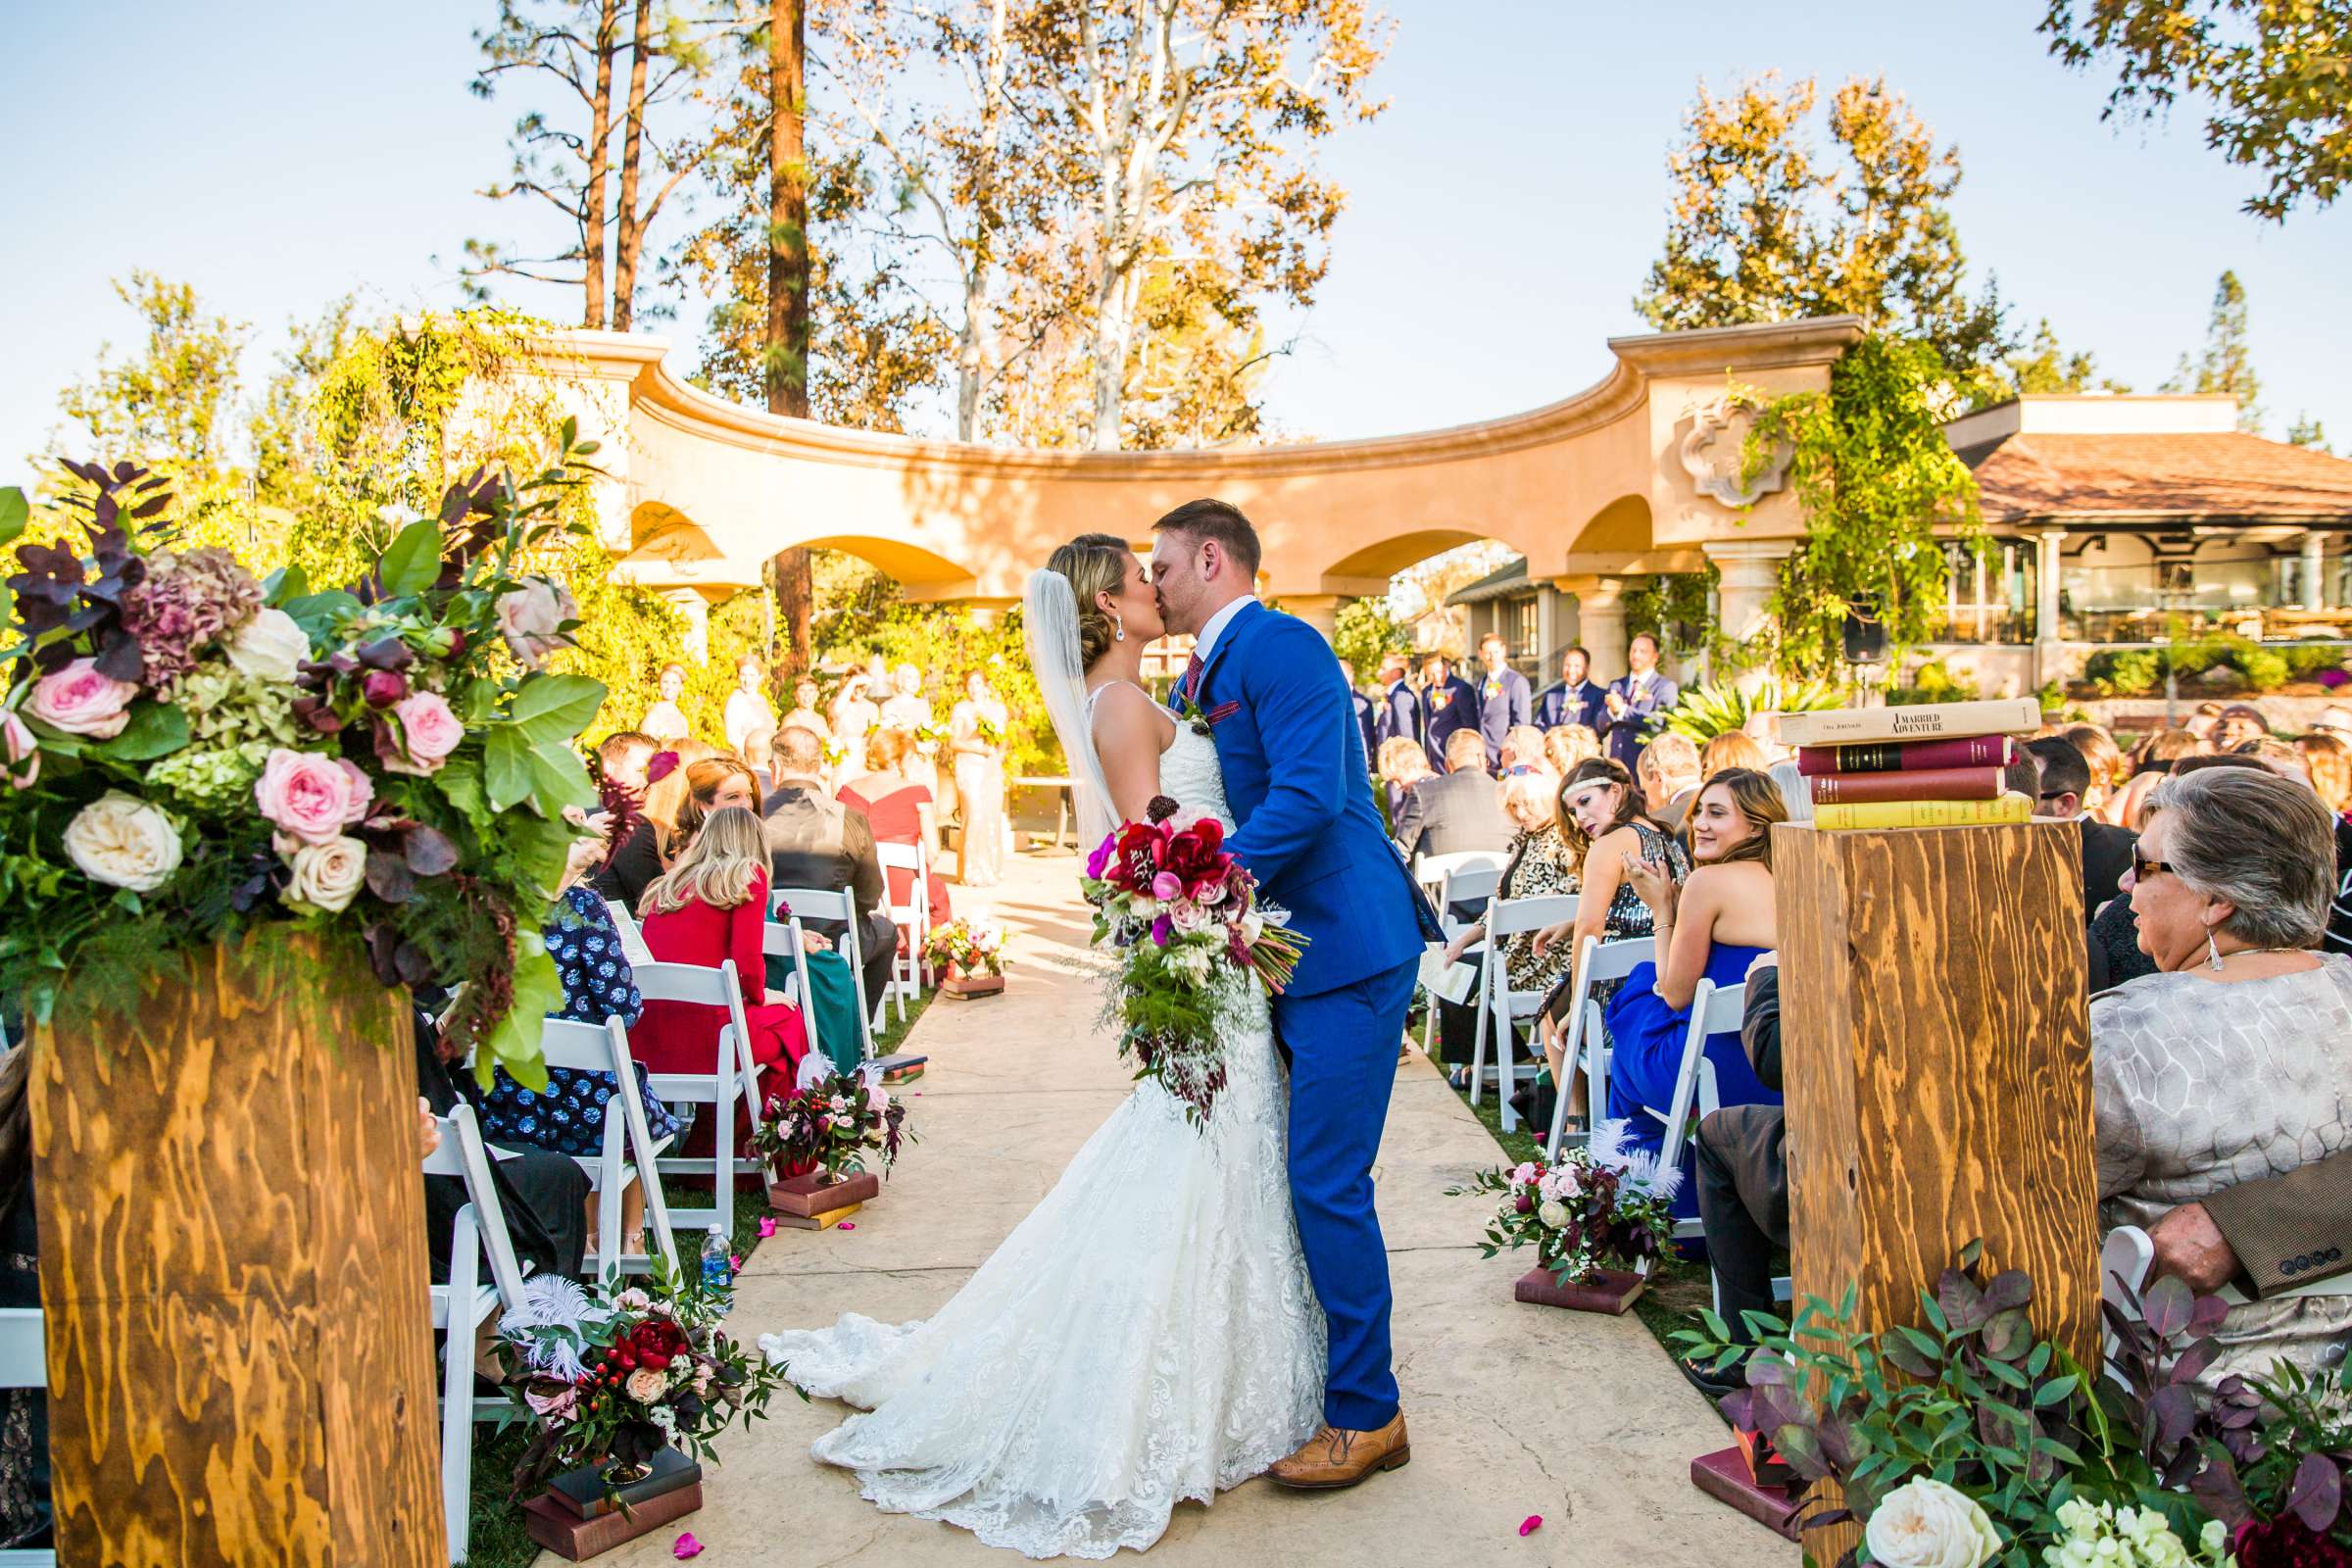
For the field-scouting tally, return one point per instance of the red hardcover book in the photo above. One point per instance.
(1909, 784)
(1889, 757)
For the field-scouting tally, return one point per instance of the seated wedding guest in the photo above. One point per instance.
(25, 1511)
(1449, 706)
(1670, 775)
(2151, 759)
(815, 841)
(623, 755)
(2233, 1063)
(1543, 863)
(1402, 765)
(2114, 952)
(665, 721)
(1742, 1172)
(2265, 1236)
(1457, 811)
(710, 907)
(697, 770)
(2062, 780)
(1795, 794)
(1711, 926)
(1523, 751)
(754, 755)
(2108, 772)
(2239, 723)
(545, 1195)
(1734, 748)
(1567, 745)
(898, 811)
(1601, 814)
(2327, 758)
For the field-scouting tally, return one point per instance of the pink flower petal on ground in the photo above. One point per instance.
(847, 1225)
(767, 1226)
(686, 1547)
(734, 1264)
(1531, 1524)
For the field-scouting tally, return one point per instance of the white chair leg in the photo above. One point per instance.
(1478, 1040)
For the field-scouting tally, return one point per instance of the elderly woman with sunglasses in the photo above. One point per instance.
(2234, 1061)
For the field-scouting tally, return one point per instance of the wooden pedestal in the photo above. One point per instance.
(964, 987)
(1936, 1049)
(1611, 1293)
(234, 1267)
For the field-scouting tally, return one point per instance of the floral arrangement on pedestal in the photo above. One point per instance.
(610, 1376)
(830, 1121)
(192, 752)
(1190, 936)
(971, 944)
(1603, 1208)
(1968, 1440)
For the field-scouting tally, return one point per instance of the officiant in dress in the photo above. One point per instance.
(1635, 700)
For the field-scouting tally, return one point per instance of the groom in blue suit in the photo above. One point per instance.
(1293, 756)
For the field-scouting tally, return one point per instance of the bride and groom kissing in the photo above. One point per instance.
(1189, 1306)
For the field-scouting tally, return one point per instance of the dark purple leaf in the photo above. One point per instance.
(151, 508)
(2011, 1287)
(1802, 1451)
(2318, 1492)
(2008, 1335)
(412, 963)
(2193, 1361)
(2167, 1307)
(1837, 1434)
(2208, 1314)
(388, 877)
(386, 652)
(2171, 1414)
(429, 851)
(118, 659)
(2217, 1491)
(383, 944)
(1962, 1303)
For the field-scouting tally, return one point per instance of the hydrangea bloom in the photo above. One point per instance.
(189, 602)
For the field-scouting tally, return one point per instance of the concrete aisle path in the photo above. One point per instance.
(1514, 1410)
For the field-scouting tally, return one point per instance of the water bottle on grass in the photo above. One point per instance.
(718, 1269)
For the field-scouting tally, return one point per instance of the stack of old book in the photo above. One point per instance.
(1934, 766)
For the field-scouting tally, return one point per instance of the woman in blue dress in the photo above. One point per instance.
(1714, 927)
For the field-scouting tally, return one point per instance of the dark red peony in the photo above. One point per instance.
(2285, 1541)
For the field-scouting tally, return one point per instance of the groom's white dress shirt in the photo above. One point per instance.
(1217, 626)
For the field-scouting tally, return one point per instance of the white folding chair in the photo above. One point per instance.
(733, 1076)
(819, 903)
(632, 940)
(783, 940)
(1465, 881)
(912, 919)
(463, 1305)
(1501, 1009)
(23, 1364)
(1585, 1049)
(629, 1149)
(1433, 870)
(1714, 1010)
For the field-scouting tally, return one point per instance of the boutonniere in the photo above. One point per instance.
(1188, 709)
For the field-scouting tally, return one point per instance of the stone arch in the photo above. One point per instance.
(925, 574)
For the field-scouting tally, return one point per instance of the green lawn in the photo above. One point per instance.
(495, 1535)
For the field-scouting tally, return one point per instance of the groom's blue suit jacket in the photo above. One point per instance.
(1293, 756)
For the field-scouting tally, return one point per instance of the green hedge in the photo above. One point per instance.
(2135, 672)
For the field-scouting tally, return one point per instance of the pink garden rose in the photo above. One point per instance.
(309, 796)
(529, 618)
(24, 753)
(82, 701)
(428, 732)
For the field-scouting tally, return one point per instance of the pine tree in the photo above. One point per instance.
(2227, 364)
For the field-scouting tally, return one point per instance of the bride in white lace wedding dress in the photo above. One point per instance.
(1149, 1333)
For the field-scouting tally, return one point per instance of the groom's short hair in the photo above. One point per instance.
(1220, 520)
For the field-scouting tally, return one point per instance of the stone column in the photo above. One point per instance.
(690, 603)
(2049, 637)
(1600, 621)
(2315, 571)
(1750, 574)
(1320, 610)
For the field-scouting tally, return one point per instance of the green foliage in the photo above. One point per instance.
(1933, 682)
(1674, 608)
(170, 405)
(2135, 672)
(1706, 711)
(2227, 363)
(1877, 480)
(2125, 672)
(946, 643)
(2307, 431)
(1365, 633)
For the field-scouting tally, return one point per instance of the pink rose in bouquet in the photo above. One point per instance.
(24, 753)
(531, 619)
(80, 701)
(428, 732)
(311, 797)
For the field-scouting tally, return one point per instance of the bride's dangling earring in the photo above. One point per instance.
(1118, 627)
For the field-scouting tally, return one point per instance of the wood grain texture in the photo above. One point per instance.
(1936, 1048)
(233, 1269)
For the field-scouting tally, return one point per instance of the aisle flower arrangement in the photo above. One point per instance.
(1190, 936)
(1603, 1208)
(973, 944)
(192, 752)
(610, 1376)
(831, 1121)
(1969, 1441)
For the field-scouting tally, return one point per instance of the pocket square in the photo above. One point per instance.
(1224, 712)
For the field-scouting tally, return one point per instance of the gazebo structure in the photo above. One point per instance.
(1636, 475)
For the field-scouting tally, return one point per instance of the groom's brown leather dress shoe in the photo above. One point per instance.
(1335, 1457)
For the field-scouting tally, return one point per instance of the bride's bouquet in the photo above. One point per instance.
(1191, 939)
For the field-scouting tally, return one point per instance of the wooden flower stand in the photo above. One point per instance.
(809, 1203)
(964, 987)
(1612, 1292)
(234, 1266)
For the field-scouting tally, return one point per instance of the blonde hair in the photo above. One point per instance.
(1566, 745)
(1402, 760)
(1532, 797)
(727, 856)
(2330, 762)
(1096, 564)
(1734, 748)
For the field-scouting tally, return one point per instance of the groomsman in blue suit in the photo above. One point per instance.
(1502, 696)
(1448, 704)
(1635, 700)
(1573, 698)
(1367, 714)
(1399, 708)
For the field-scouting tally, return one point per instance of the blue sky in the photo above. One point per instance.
(1500, 219)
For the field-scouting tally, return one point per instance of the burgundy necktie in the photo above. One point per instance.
(1192, 676)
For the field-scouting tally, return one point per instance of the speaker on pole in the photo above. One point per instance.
(1865, 632)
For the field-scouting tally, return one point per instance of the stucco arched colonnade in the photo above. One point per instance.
(1636, 474)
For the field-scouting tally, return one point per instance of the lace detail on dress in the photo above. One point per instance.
(1148, 1333)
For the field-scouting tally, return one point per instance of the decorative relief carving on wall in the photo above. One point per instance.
(1710, 453)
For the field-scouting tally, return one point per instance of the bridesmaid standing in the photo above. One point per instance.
(979, 781)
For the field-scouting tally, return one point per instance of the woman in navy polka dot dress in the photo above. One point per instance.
(568, 1116)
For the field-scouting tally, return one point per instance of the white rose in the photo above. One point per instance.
(268, 646)
(1188, 917)
(328, 876)
(1553, 1215)
(1926, 1523)
(124, 842)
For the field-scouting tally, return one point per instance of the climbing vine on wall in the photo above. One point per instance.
(1877, 480)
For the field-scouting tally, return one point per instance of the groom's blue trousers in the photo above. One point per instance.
(1341, 1046)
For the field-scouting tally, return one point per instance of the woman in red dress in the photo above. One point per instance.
(899, 811)
(710, 907)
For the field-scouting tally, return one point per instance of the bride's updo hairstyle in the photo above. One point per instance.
(1096, 564)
